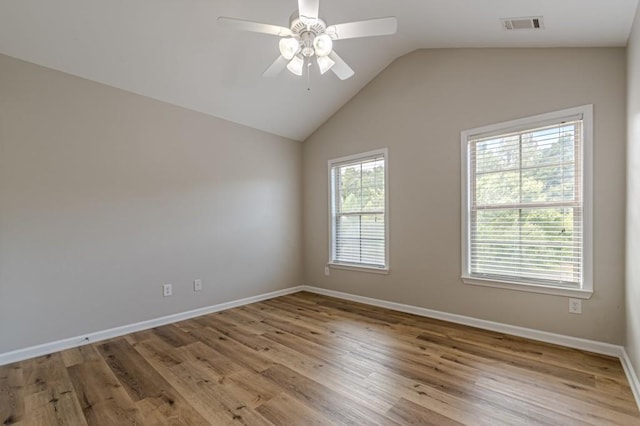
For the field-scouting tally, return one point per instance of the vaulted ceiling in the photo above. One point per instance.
(173, 51)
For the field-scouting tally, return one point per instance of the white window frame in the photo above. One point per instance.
(586, 113)
(384, 152)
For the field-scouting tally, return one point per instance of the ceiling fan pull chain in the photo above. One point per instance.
(308, 74)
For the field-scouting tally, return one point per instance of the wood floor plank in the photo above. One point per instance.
(133, 371)
(56, 405)
(457, 384)
(42, 373)
(49, 396)
(250, 388)
(174, 335)
(437, 400)
(310, 359)
(102, 397)
(340, 380)
(208, 358)
(284, 409)
(335, 406)
(558, 403)
(144, 384)
(11, 394)
(213, 399)
(614, 400)
(239, 353)
(407, 413)
(514, 360)
(79, 355)
(158, 350)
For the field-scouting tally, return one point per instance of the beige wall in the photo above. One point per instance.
(633, 196)
(106, 195)
(417, 108)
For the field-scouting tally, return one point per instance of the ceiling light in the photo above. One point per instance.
(322, 44)
(325, 63)
(289, 47)
(296, 65)
(308, 37)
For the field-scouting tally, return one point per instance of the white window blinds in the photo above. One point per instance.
(526, 205)
(358, 211)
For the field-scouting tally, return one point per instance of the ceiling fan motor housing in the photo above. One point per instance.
(306, 34)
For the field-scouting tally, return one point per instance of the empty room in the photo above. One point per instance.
(295, 212)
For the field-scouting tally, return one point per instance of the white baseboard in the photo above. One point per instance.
(72, 342)
(631, 375)
(529, 333)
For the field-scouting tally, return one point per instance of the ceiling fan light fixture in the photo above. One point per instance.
(289, 47)
(296, 65)
(308, 37)
(322, 45)
(325, 63)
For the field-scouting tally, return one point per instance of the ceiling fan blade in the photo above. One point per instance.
(256, 27)
(277, 67)
(369, 28)
(308, 10)
(340, 68)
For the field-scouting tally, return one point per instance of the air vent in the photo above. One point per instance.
(528, 23)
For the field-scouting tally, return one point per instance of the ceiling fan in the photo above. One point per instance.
(308, 37)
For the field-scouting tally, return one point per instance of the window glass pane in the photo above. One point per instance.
(350, 188)
(549, 146)
(548, 183)
(498, 188)
(497, 154)
(537, 243)
(360, 239)
(358, 218)
(525, 206)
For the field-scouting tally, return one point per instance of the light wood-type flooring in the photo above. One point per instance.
(306, 359)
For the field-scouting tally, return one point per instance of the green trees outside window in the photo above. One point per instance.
(526, 204)
(358, 213)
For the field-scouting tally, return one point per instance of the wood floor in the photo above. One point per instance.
(306, 359)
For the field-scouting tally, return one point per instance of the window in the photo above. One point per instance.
(527, 204)
(358, 211)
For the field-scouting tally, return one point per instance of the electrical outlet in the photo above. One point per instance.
(327, 271)
(575, 306)
(197, 285)
(167, 290)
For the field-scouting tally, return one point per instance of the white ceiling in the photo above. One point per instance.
(172, 50)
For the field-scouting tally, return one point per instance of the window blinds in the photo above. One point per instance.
(358, 212)
(526, 205)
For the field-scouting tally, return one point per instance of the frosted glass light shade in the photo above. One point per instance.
(296, 65)
(322, 45)
(325, 63)
(289, 47)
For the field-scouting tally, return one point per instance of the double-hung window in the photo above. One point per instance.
(527, 204)
(358, 211)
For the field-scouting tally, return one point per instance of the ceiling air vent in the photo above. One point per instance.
(528, 23)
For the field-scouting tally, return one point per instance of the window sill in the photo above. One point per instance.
(352, 267)
(528, 287)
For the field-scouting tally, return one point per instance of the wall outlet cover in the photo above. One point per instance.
(167, 290)
(575, 306)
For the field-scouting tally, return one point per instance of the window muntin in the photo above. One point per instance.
(525, 204)
(359, 210)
